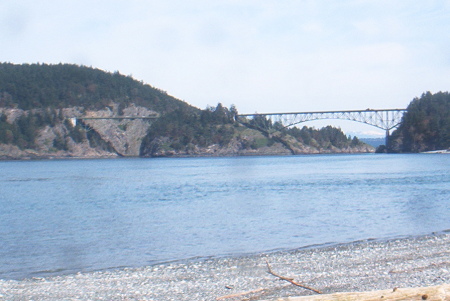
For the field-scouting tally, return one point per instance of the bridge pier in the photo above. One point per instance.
(387, 139)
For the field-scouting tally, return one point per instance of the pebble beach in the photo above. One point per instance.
(359, 266)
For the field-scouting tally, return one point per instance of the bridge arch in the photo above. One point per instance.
(385, 119)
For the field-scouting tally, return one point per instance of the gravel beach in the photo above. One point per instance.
(360, 266)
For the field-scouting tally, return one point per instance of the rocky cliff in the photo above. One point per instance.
(90, 138)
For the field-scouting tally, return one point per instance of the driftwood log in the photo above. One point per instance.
(291, 280)
(432, 293)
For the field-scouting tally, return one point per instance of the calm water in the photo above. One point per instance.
(64, 216)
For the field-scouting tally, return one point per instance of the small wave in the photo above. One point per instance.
(48, 272)
(27, 179)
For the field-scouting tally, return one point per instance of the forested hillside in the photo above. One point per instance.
(39, 104)
(37, 86)
(425, 125)
(38, 100)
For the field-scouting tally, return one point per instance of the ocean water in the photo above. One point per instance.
(65, 216)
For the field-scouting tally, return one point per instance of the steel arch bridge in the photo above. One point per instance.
(385, 119)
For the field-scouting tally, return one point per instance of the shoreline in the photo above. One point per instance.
(49, 158)
(48, 274)
(55, 158)
(358, 266)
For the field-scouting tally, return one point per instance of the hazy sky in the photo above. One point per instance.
(262, 56)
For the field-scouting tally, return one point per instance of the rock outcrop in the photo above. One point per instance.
(91, 138)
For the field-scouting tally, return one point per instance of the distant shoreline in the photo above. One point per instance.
(442, 151)
(37, 158)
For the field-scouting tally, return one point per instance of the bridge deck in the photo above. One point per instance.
(324, 112)
(118, 117)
